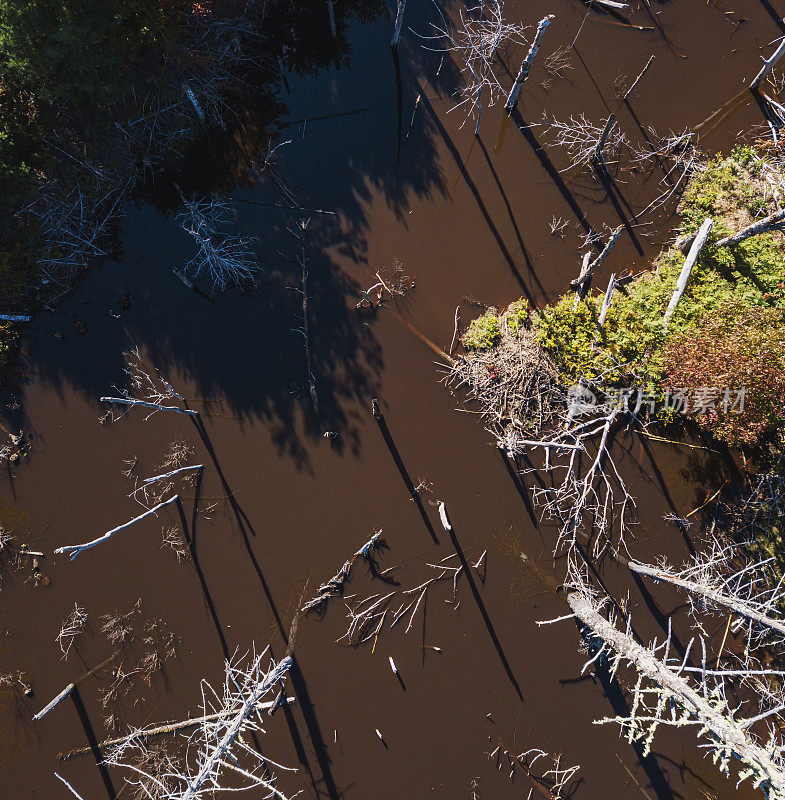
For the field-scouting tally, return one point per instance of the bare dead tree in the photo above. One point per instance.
(715, 581)
(225, 257)
(165, 729)
(474, 41)
(304, 329)
(768, 64)
(582, 283)
(72, 627)
(387, 287)
(598, 159)
(155, 488)
(218, 757)
(396, 37)
(667, 693)
(581, 139)
(147, 389)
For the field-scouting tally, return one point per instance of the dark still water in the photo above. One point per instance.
(281, 506)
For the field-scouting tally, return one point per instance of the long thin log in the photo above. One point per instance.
(68, 785)
(686, 270)
(169, 727)
(579, 281)
(707, 714)
(606, 301)
(610, 4)
(219, 753)
(733, 603)
(768, 65)
(147, 482)
(75, 549)
(764, 225)
(636, 81)
(761, 226)
(57, 700)
(125, 401)
(398, 24)
(526, 65)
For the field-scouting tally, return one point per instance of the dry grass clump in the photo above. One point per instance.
(514, 382)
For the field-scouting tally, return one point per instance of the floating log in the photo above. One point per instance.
(75, 549)
(59, 699)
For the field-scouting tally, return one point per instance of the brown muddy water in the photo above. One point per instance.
(469, 221)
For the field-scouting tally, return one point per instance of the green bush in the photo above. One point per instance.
(483, 332)
(517, 315)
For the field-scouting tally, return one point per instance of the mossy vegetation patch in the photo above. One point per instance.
(729, 326)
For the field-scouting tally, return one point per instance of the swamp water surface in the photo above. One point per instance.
(468, 218)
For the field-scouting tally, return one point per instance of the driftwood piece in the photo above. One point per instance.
(57, 700)
(523, 72)
(75, 549)
(686, 270)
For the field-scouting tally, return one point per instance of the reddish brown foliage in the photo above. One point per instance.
(737, 347)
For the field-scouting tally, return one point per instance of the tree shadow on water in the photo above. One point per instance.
(246, 349)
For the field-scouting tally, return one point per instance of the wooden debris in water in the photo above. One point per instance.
(336, 585)
(76, 549)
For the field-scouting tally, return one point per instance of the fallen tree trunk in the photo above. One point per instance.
(729, 737)
(761, 226)
(75, 549)
(734, 604)
(56, 701)
(159, 730)
(769, 223)
(221, 751)
(125, 401)
(606, 301)
(686, 270)
(583, 281)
